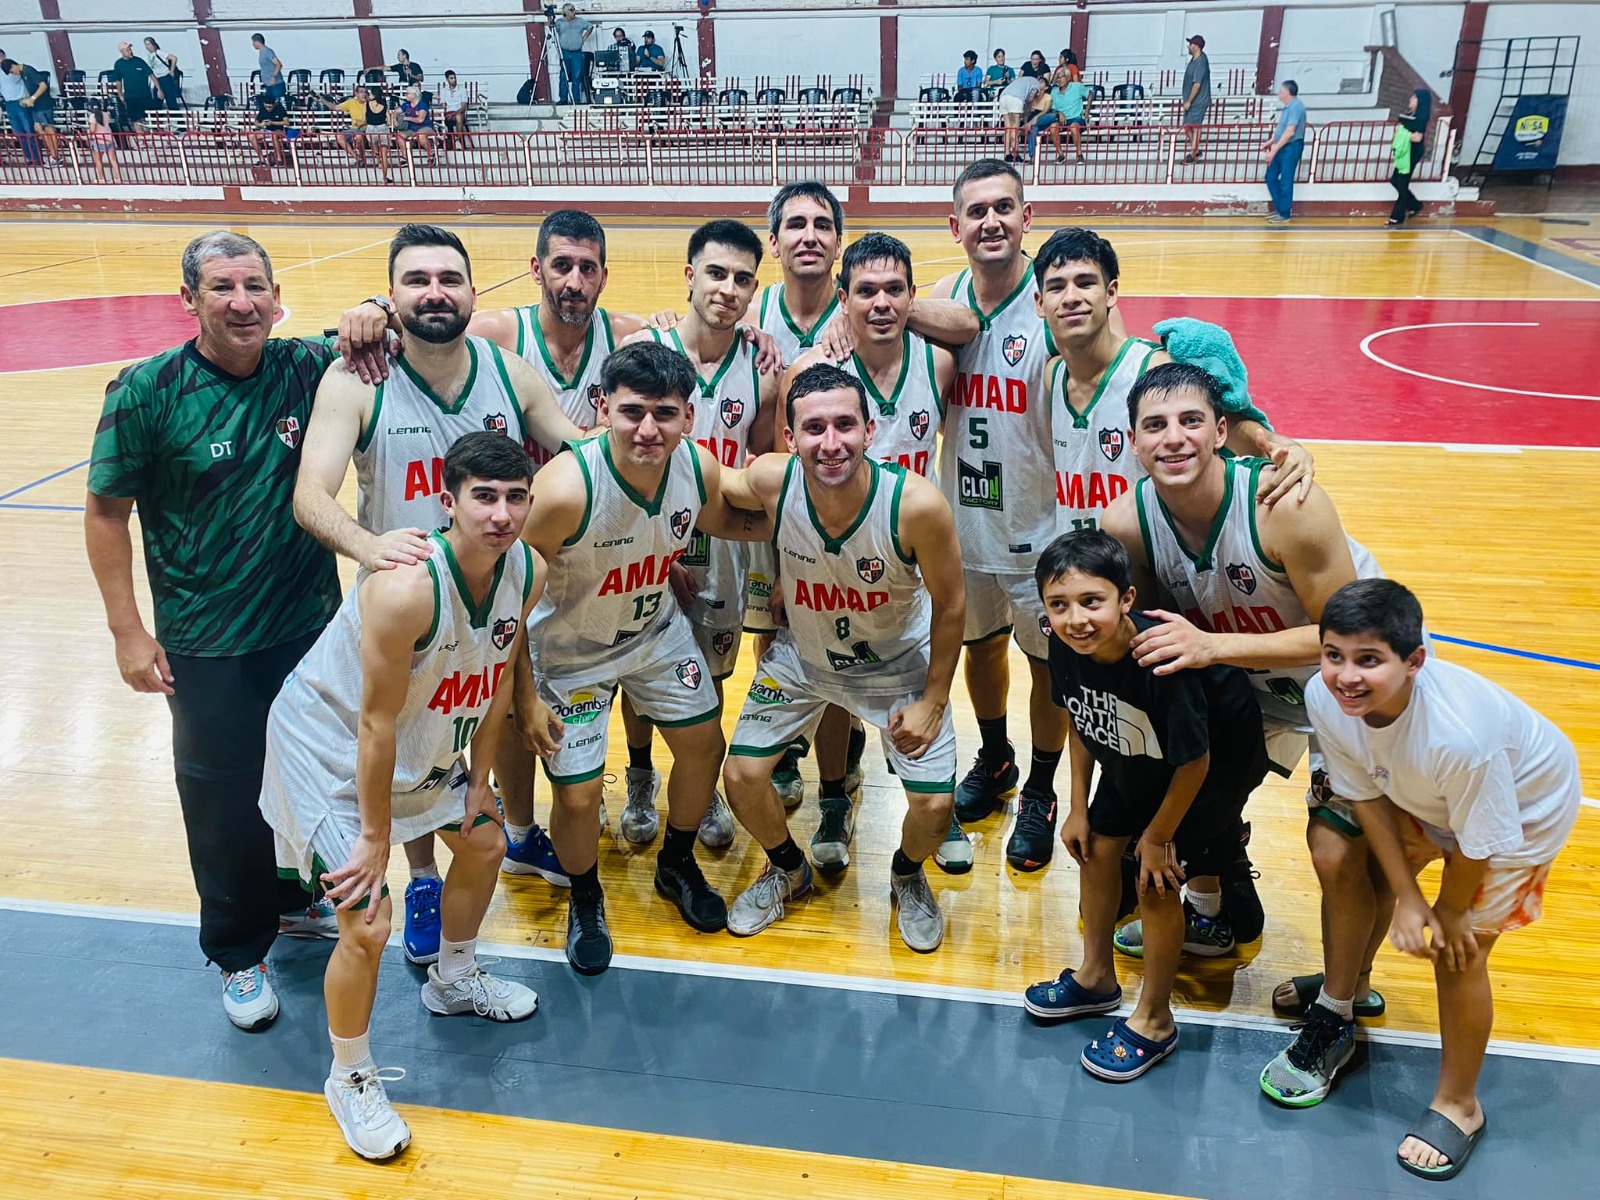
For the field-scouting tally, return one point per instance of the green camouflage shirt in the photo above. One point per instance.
(210, 460)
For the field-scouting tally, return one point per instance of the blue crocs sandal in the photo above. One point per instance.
(1123, 1054)
(1445, 1136)
(1058, 999)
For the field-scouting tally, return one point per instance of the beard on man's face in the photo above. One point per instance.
(437, 323)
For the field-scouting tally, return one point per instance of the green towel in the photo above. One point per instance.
(1209, 347)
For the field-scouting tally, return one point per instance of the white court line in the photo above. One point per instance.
(1446, 445)
(1366, 348)
(311, 262)
(844, 983)
(1525, 259)
(1589, 802)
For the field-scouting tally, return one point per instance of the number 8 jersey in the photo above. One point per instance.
(858, 611)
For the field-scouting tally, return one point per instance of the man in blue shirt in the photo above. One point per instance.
(651, 56)
(969, 77)
(271, 67)
(1283, 151)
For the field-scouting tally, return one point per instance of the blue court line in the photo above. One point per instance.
(55, 475)
(1544, 256)
(44, 507)
(1515, 653)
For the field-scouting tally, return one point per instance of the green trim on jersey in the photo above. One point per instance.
(450, 409)
(588, 495)
(699, 476)
(365, 439)
(477, 613)
(894, 512)
(933, 379)
(1080, 420)
(426, 639)
(1202, 561)
(807, 338)
(562, 382)
(1144, 524)
(708, 390)
(527, 579)
(1255, 466)
(511, 392)
(687, 721)
(929, 789)
(652, 508)
(987, 319)
(777, 513)
(834, 544)
(886, 407)
(522, 342)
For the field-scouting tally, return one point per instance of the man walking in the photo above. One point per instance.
(1283, 151)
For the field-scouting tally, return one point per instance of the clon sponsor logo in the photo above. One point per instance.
(766, 691)
(582, 708)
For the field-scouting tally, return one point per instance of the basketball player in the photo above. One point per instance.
(907, 381)
(364, 748)
(448, 383)
(732, 417)
(206, 438)
(1248, 583)
(611, 518)
(1086, 390)
(869, 566)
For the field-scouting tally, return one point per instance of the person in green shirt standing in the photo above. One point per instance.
(205, 438)
(1410, 149)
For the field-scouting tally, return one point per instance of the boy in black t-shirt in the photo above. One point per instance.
(1179, 755)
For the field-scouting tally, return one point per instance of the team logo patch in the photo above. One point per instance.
(1044, 626)
(495, 423)
(870, 569)
(289, 431)
(596, 394)
(1242, 577)
(722, 641)
(689, 673)
(1014, 347)
(919, 424)
(680, 522)
(732, 412)
(503, 632)
(1111, 443)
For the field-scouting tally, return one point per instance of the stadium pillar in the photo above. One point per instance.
(1466, 65)
(370, 36)
(535, 27)
(1078, 38)
(60, 44)
(211, 51)
(1267, 51)
(889, 54)
(705, 32)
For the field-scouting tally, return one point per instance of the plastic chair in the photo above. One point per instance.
(813, 95)
(771, 96)
(733, 97)
(331, 80)
(299, 80)
(934, 95)
(696, 98)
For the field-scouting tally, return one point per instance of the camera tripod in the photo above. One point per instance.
(677, 64)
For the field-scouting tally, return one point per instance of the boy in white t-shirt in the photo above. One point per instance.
(1444, 764)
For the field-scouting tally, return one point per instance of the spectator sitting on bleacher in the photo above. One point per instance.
(623, 47)
(970, 76)
(409, 72)
(1069, 59)
(1037, 66)
(354, 138)
(999, 75)
(133, 85)
(416, 122)
(272, 128)
(1068, 108)
(651, 56)
(451, 100)
(1019, 95)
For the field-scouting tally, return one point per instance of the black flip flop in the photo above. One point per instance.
(1445, 1136)
(1308, 987)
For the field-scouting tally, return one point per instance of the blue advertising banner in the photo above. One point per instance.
(1533, 139)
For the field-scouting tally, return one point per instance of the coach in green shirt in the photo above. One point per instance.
(206, 439)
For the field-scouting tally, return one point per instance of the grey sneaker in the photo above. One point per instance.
(1304, 1074)
(761, 904)
(640, 820)
(830, 845)
(921, 921)
(853, 779)
(717, 826)
(786, 779)
(954, 855)
(1276, 219)
(1207, 937)
(480, 994)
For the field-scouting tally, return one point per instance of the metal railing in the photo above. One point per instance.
(1115, 156)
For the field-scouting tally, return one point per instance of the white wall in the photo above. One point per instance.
(845, 45)
(1427, 35)
(932, 45)
(33, 49)
(312, 49)
(1321, 47)
(1580, 142)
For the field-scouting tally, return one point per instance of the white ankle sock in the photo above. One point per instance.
(456, 958)
(1345, 1008)
(1207, 904)
(518, 833)
(351, 1054)
(431, 871)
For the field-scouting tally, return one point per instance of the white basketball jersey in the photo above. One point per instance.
(777, 320)
(909, 417)
(1095, 462)
(857, 608)
(400, 458)
(724, 411)
(609, 584)
(997, 465)
(455, 671)
(1231, 586)
(580, 396)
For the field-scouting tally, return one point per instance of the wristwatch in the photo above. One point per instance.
(382, 302)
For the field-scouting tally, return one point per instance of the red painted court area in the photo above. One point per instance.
(53, 334)
(1489, 372)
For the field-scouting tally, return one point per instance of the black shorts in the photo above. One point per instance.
(1207, 840)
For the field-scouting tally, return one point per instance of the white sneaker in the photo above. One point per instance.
(716, 827)
(640, 820)
(480, 994)
(920, 919)
(761, 904)
(248, 998)
(954, 855)
(368, 1121)
(605, 818)
(319, 921)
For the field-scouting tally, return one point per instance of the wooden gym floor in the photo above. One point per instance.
(1444, 377)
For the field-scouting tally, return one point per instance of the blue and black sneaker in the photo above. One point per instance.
(421, 937)
(534, 855)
